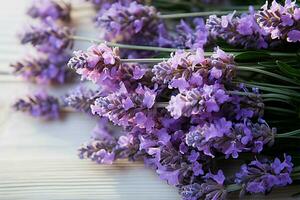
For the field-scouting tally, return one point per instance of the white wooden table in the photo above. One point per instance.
(38, 160)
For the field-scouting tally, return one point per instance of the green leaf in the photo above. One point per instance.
(252, 56)
(288, 70)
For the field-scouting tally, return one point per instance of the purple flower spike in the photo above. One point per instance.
(125, 22)
(48, 37)
(260, 176)
(238, 31)
(50, 8)
(185, 36)
(198, 101)
(211, 188)
(102, 65)
(127, 109)
(186, 70)
(281, 22)
(40, 105)
(43, 69)
(100, 151)
(97, 64)
(81, 99)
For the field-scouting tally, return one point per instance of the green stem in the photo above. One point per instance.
(274, 89)
(288, 134)
(278, 100)
(242, 68)
(125, 46)
(153, 48)
(275, 86)
(280, 96)
(233, 188)
(143, 60)
(296, 169)
(280, 110)
(196, 14)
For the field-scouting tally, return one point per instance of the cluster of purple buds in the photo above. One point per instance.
(230, 138)
(127, 109)
(130, 22)
(44, 69)
(104, 147)
(187, 70)
(281, 22)
(48, 36)
(185, 35)
(261, 176)
(212, 187)
(240, 31)
(102, 65)
(40, 105)
(81, 99)
(50, 8)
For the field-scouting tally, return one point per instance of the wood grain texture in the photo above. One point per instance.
(38, 159)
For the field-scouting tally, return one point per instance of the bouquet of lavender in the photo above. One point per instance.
(184, 91)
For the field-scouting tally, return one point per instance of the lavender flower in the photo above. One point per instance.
(48, 37)
(39, 105)
(238, 31)
(260, 176)
(50, 8)
(97, 64)
(127, 109)
(102, 65)
(100, 151)
(186, 70)
(127, 22)
(81, 99)
(43, 69)
(230, 138)
(211, 188)
(198, 101)
(281, 22)
(185, 35)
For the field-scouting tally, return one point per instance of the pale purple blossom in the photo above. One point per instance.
(50, 8)
(261, 176)
(40, 105)
(280, 21)
(48, 36)
(240, 31)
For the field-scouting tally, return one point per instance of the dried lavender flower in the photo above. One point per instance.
(50, 8)
(40, 105)
(281, 22)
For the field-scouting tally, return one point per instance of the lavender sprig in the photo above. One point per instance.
(81, 99)
(48, 37)
(43, 69)
(40, 105)
(50, 8)
(260, 176)
(238, 31)
(281, 22)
